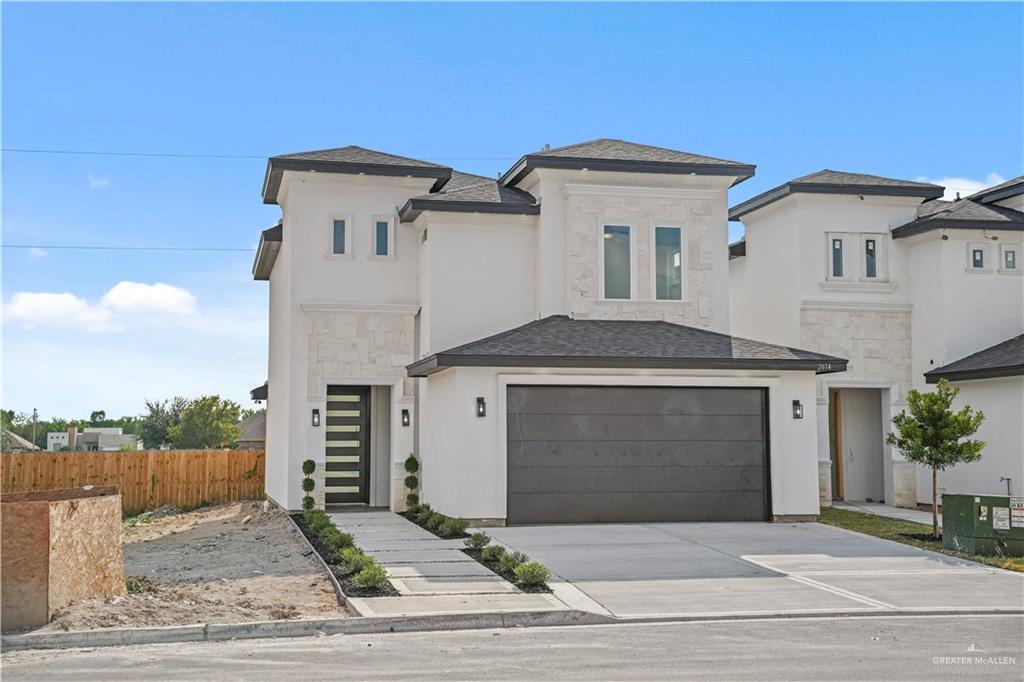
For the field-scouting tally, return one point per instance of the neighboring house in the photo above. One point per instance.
(554, 344)
(93, 438)
(254, 431)
(884, 273)
(15, 443)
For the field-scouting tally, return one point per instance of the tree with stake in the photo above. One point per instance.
(935, 436)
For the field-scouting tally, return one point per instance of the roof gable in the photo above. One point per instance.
(962, 214)
(471, 193)
(1001, 360)
(1004, 190)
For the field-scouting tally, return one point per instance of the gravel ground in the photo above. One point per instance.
(226, 564)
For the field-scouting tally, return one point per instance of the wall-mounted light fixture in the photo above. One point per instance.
(316, 417)
(798, 410)
(405, 417)
(481, 407)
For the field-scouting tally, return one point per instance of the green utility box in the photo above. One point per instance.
(989, 525)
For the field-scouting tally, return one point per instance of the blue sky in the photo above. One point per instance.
(913, 91)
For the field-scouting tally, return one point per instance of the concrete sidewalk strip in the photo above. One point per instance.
(488, 584)
(384, 544)
(445, 569)
(421, 556)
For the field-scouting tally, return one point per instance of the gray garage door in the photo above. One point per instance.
(613, 454)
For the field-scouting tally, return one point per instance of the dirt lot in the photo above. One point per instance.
(226, 564)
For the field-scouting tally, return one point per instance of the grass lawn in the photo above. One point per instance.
(907, 532)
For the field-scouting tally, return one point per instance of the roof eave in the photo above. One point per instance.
(935, 375)
(992, 197)
(266, 252)
(441, 361)
(782, 191)
(920, 226)
(414, 207)
(530, 162)
(277, 165)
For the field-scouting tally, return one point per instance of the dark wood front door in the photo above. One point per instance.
(348, 445)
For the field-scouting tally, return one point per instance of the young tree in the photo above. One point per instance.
(935, 436)
(97, 417)
(206, 422)
(160, 416)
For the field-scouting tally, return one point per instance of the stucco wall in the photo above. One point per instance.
(876, 343)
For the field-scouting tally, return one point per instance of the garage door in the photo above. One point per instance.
(614, 454)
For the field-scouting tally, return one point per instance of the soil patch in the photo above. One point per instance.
(339, 569)
(226, 564)
(507, 575)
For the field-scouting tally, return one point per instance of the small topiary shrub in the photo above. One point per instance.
(308, 467)
(435, 521)
(372, 575)
(308, 503)
(531, 573)
(509, 562)
(335, 539)
(478, 541)
(424, 513)
(412, 465)
(317, 520)
(354, 559)
(308, 484)
(411, 482)
(412, 501)
(453, 528)
(492, 553)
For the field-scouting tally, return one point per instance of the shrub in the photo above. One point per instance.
(317, 520)
(137, 584)
(308, 484)
(372, 575)
(308, 503)
(531, 573)
(509, 562)
(354, 559)
(308, 467)
(492, 553)
(335, 539)
(478, 541)
(453, 528)
(435, 521)
(424, 513)
(411, 482)
(412, 465)
(412, 500)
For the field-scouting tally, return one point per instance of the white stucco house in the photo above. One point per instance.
(909, 288)
(554, 344)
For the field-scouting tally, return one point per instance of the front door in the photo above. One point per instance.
(347, 472)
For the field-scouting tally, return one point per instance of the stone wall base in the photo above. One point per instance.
(904, 484)
(795, 518)
(825, 484)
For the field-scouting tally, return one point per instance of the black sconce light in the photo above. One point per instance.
(798, 410)
(316, 417)
(481, 407)
(405, 417)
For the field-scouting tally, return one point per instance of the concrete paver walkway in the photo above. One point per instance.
(432, 575)
(889, 511)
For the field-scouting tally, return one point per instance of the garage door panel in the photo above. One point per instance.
(633, 427)
(600, 454)
(581, 453)
(635, 479)
(635, 400)
(635, 508)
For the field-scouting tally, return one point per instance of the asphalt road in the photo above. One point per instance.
(875, 648)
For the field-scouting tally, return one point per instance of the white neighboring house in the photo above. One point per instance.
(93, 438)
(553, 344)
(904, 285)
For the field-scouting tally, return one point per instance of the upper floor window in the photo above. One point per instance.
(977, 257)
(837, 255)
(383, 236)
(340, 244)
(873, 255)
(1009, 258)
(616, 248)
(870, 258)
(668, 263)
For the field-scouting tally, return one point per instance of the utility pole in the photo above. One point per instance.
(35, 418)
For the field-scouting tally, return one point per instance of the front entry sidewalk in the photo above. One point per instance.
(433, 575)
(889, 511)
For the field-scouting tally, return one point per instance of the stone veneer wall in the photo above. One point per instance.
(585, 216)
(877, 345)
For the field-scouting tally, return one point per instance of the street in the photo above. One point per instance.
(863, 648)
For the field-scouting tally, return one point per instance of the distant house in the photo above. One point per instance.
(94, 438)
(15, 443)
(254, 432)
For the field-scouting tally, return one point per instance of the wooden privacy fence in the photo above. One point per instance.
(146, 478)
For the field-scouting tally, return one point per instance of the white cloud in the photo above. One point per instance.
(98, 182)
(156, 298)
(57, 310)
(35, 253)
(126, 300)
(965, 186)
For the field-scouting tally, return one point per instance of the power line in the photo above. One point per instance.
(124, 248)
(174, 155)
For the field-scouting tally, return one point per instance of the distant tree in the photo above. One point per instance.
(248, 412)
(97, 417)
(207, 422)
(935, 436)
(160, 416)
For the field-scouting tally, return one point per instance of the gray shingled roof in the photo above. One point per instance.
(1001, 360)
(618, 155)
(963, 214)
(266, 252)
(838, 182)
(471, 193)
(559, 341)
(1001, 191)
(351, 160)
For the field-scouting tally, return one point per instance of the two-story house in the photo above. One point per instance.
(885, 273)
(553, 344)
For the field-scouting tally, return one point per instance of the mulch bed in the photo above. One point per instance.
(409, 517)
(922, 537)
(338, 569)
(509, 576)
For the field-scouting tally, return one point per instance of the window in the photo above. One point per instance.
(339, 245)
(870, 258)
(668, 263)
(618, 276)
(836, 259)
(1009, 259)
(383, 237)
(977, 258)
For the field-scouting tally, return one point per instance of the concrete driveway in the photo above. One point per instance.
(722, 569)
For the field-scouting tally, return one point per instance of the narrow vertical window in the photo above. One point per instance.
(668, 265)
(617, 274)
(977, 258)
(837, 257)
(383, 227)
(339, 237)
(1009, 260)
(870, 258)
